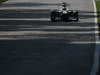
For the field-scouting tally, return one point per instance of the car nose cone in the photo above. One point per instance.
(64, 12)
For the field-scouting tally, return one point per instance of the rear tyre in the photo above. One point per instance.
(53, 17)
(76, 17)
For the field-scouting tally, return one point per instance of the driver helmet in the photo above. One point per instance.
(64, 4)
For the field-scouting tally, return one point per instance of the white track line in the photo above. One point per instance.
(95, 67)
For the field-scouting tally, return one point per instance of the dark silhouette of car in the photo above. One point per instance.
(64, 14)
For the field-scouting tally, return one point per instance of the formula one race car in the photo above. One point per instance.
(64, 14)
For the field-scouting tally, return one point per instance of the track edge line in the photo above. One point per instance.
(95, 67)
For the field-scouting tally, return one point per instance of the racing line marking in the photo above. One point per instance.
(95, 67)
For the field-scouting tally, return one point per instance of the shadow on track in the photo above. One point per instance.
(87, 14)
(25, 13)
(45, 56)
(23, 4)
(44, 25)
(32, 25)
(9, 25)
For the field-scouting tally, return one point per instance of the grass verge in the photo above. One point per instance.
(98, 13)
(98, 10)
(2, 1)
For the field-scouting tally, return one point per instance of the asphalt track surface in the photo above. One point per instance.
(32, 45)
